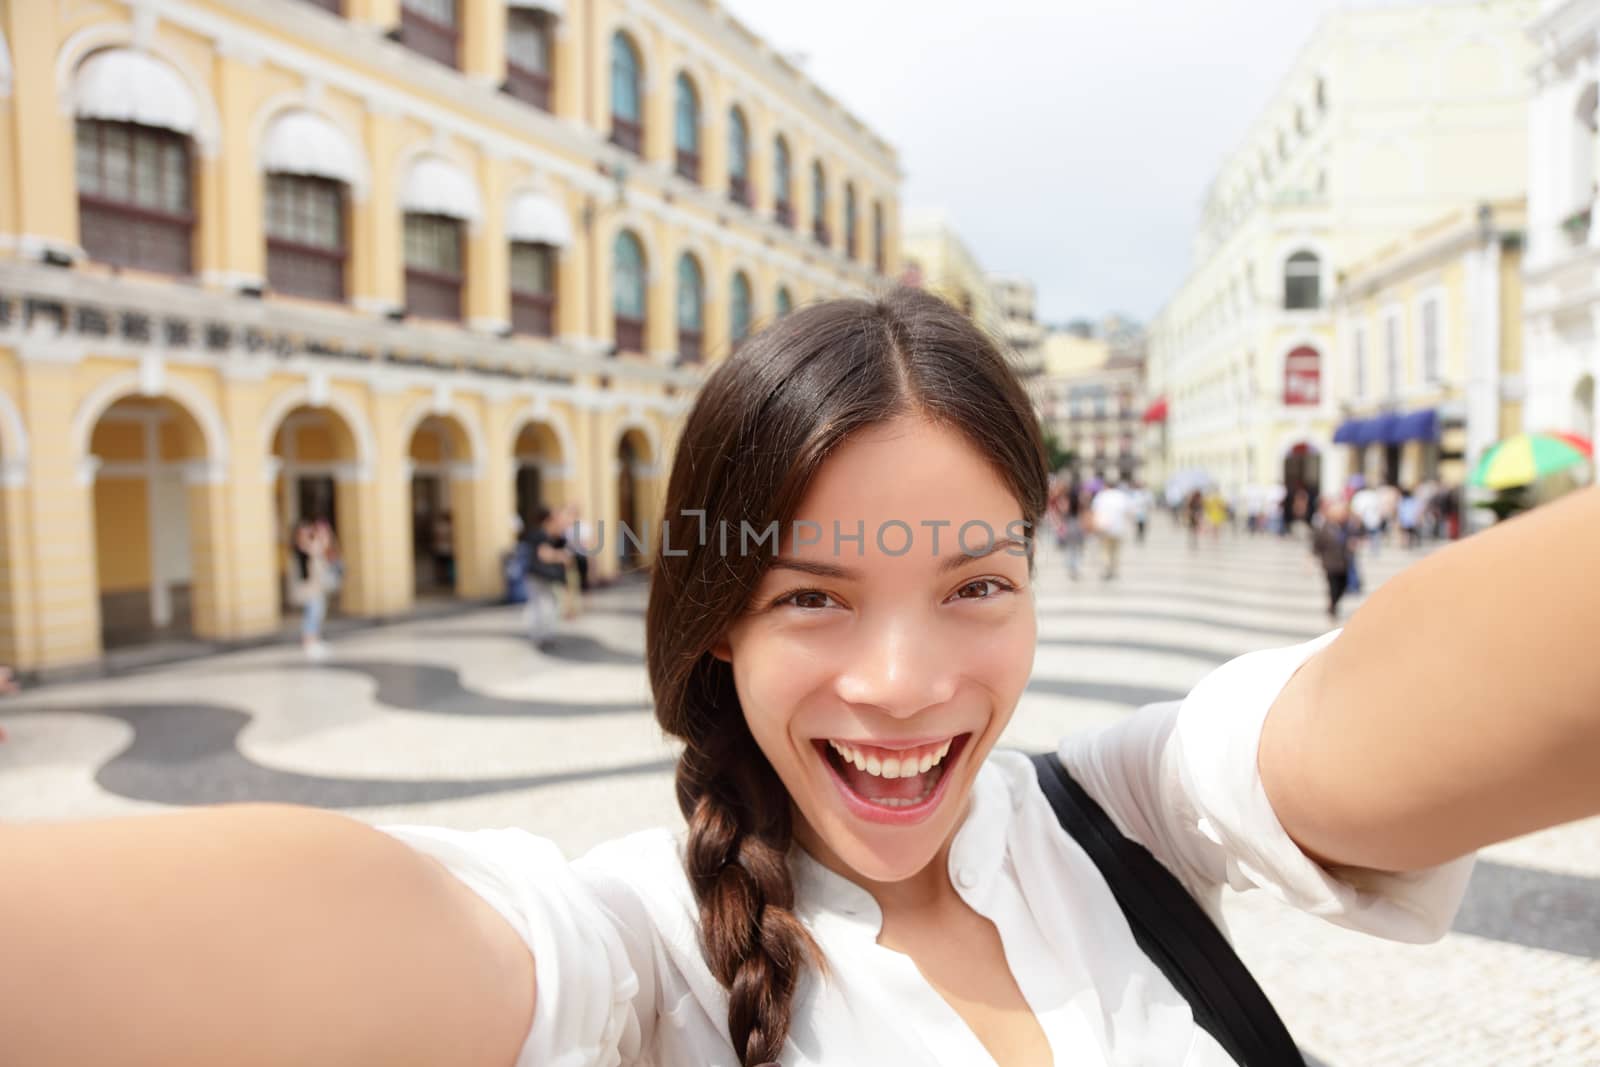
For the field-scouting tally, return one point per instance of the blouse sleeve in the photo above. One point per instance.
(1182, 780)
(592, 972)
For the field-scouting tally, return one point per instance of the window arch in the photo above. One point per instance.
(686, 126)
(691, 308)
(782, 182)
(627, 95)
(851, 246)
(310, 166)
(739, 305)
(819, 202)
(785, 302)
(628, 291)
(738, 157)
(1302, 282)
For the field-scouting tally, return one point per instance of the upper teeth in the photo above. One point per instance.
(902, 766)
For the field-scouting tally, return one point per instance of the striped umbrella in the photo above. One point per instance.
(1524, 459)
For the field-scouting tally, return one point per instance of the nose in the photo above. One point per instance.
(899, 666)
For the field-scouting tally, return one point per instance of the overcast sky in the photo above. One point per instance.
(1070, 141)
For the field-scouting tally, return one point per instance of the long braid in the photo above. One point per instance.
(740, 829)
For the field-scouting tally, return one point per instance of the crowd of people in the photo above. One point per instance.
(547, 569)
(1108, 513)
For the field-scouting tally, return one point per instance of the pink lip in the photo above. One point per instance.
(910, 816)
(891, 746)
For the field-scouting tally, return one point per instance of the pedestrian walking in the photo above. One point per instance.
(546, 572)
(1142, 502)
(312, 578)
(1409, 514)
(1076, 521)
(861, 877)
(1113, 515)
(1333, 542)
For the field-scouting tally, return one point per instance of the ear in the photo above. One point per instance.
(723, 651)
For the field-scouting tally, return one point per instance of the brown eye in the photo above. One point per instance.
(981, 589)
(808, 599)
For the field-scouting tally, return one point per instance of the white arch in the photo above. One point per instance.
(132, 383)
(208, 131)
(641, 45)
(300, 395)
(538, 412)
(441, 150)
(301, 100)
(447, 407)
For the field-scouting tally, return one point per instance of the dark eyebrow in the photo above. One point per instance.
(953, 562)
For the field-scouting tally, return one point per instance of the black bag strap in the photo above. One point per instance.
(1173, 930)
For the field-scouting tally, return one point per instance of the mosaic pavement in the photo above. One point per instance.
(459, 722)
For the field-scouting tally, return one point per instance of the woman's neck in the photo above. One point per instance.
(927, 890)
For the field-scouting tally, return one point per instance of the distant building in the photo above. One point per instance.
(1017, 299)
(1090, 397)
(934, 256)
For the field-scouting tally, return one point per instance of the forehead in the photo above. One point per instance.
(908, 471)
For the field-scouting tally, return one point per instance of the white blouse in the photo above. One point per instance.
(621, 979)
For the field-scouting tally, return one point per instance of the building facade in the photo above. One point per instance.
(1562, 297)
(1428, 336)
(1090, 398)
(1016, 302)
(934, 256)
(408, 265)
(1389, 119)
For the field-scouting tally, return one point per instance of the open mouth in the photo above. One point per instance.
(899, 785)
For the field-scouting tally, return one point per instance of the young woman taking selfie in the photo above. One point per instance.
(863, 878)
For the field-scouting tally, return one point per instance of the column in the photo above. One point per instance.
(377, 260)
(658, 97)
(46, 205)
(240, 227)
(243, 503)
(661, 329)
(393, 588)
(488, 295)
(567, 89)
(573, 275)
(483, 40)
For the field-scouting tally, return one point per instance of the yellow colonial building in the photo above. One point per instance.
(408, 265)
(1429, 336)
(936, 257)
(1389, 119)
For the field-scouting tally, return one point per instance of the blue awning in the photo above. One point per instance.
(1350, 432)
(1389, 428)
(1415, 426)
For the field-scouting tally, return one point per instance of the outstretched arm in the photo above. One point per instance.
(1460, 706)
(248, 936)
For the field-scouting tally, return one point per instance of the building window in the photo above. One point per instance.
(782, 183)
(1358, 364)
(628, 292)
(819, 203)
(433, 266)
(1302, 377)
(528, 56)
(738, 158)
(687, 128)
(306, 245)
(1302, 282)
(627, 113)
(429, 28)
(1430, 340)
(1391, 354)
(850, 244)
(739, 308)
(878, 244)
(691, 309)
(533, 289)
(135, 196)
(784, 302)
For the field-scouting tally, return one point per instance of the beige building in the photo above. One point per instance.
(1089, 395)
(417, 266)
(1429, 337)
(934, 256)
(1389, 119)
(1016, 300)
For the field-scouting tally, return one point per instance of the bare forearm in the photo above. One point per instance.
(248, 936)
(1461, 706)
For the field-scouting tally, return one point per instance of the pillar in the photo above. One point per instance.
(488, 295)
(483, 40)
(241, 224)
(377, 260)
(46, 204)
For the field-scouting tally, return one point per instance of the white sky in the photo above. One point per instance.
(1070, 141)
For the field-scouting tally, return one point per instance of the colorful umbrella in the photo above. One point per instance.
(1576, 440)
(1525, 458)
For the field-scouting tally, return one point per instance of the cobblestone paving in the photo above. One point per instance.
(458, 722)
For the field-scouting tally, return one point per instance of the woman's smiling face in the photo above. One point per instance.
(877, 674)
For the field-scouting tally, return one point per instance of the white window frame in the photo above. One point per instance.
(1435, 298)
(1394, 356)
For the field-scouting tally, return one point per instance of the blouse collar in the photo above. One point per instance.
(826, 900)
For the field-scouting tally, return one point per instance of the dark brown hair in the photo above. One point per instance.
(761, 427)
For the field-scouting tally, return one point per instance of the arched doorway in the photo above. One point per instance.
(1302, 471)
(539, 471)
(317, 459)
(634, 460)
(148, 458)
(440, 450)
